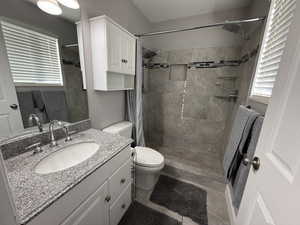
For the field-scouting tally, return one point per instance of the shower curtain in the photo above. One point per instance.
(134, 100)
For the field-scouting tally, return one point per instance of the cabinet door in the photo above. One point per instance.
(125, 52)
(128, 54)
(131, 55)
(120, 206)
(114, 43)
(94, 211)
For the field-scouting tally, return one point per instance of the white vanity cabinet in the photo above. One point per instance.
(102, 198)
(113, 55)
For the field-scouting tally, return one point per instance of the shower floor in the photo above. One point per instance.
(202, 162)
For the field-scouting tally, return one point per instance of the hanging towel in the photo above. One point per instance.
(243, 171)
(240, 131)
(38, 100)
(55, 105)
(26, 105)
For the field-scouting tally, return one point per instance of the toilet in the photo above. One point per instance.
(148, 162)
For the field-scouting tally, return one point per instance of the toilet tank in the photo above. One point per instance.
(123, 128)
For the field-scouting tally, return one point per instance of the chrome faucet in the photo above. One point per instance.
(67, 133)
(34, 117)
(53, 142)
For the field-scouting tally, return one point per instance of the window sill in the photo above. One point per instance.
(37, 85)
(260, 99)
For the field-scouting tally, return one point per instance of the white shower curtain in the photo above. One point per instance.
(134, 99)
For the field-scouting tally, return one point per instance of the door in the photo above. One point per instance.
(94, 211)
(10, 116)
(114, 40)
(272, 193)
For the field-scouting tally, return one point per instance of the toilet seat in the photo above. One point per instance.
(148, 157)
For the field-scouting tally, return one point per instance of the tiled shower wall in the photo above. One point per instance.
(183, 118)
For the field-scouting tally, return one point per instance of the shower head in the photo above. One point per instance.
(234, 28)
(148, 54)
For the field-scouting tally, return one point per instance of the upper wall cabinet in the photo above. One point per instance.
(113, 55)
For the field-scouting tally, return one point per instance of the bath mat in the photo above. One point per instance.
(138, 214)
(185, 199)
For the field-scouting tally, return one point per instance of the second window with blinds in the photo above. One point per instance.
(275, 38)
(33, 57)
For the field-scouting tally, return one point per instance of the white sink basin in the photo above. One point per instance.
(66, 157)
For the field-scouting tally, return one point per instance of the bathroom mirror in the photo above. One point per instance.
(40, 68)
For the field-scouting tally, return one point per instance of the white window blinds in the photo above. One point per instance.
(275, 38)
(33, 57)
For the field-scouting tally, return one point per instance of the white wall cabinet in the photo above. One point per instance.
(100, 199)
(113, 55)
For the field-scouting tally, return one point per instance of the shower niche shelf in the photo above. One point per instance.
(231, 78)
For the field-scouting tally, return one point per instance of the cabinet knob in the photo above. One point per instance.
(107, 198)
(123, 206)
(14, 106)
(123, 180)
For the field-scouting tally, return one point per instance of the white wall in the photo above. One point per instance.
(106, 108)
(208, 37)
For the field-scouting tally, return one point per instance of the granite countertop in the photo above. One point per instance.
(32, 192)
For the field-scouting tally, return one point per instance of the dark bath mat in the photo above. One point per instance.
(138, 214)
(185, 199)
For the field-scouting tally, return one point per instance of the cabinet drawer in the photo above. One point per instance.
(119, 180)
(120, 206)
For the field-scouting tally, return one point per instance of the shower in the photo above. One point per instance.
(236, 29)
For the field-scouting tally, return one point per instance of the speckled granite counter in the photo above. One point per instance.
(32, 192)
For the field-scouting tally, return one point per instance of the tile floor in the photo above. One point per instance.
(207, 180)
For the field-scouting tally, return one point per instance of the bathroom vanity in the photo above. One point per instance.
(96, 190)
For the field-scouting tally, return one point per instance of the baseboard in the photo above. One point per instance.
(230, 208)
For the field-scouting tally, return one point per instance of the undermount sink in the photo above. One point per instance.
(66, 157)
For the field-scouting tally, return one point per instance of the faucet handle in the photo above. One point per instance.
(37, 147)
(68, 133)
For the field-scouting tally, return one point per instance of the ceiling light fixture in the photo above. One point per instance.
(49, 6)
(73, 4)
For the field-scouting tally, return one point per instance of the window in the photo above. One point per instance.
(33, 56)
(275, 37)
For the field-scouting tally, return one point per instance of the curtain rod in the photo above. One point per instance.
(200, 27)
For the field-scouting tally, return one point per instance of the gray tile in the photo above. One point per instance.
(180, 56)
(178, 72)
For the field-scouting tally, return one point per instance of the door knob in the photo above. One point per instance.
(14, 106)
(255, 162)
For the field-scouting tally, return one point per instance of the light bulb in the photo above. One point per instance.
(73, 4)
(49, 6)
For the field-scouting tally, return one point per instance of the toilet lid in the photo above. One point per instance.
(148, 157)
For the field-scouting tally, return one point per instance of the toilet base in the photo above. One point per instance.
(146, 178)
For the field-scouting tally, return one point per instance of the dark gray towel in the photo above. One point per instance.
(240, 131)
(38, 100)
(243, 171)
(55, 105)
(26, 105)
